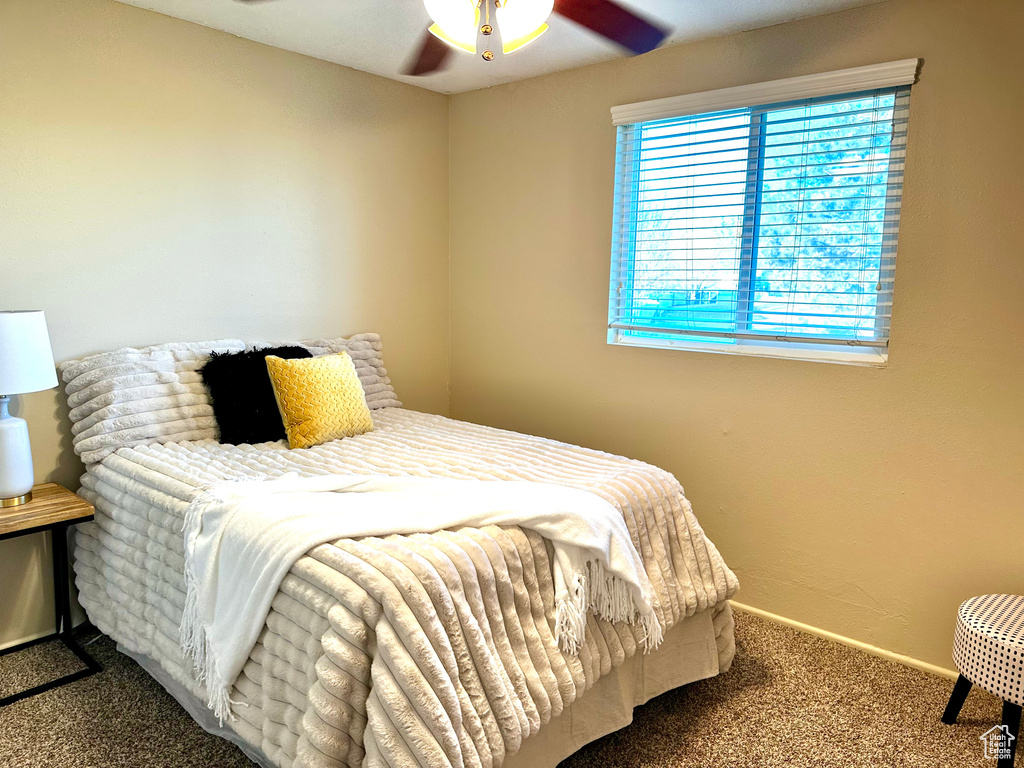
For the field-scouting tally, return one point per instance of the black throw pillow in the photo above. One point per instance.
(242, 395)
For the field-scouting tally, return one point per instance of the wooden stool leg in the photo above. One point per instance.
(956, 700)
(1011, 721)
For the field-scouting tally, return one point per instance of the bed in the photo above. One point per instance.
(426, 649)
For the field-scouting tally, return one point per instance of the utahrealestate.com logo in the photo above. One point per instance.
(998, 741)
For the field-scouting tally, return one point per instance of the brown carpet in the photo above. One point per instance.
(789, 700)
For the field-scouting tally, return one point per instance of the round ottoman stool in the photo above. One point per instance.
(989, 652)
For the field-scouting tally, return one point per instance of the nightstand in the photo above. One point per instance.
(52, 509)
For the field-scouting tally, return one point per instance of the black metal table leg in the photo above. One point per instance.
(62, 610)
(61, 598)
(956, 700)
(1011, 726)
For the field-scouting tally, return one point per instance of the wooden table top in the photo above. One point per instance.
(51, 504)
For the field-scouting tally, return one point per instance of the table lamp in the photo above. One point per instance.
(26, 365)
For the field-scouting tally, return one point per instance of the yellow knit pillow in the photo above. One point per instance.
(320, 398)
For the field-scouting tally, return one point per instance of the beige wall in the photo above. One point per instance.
(862, 501)
(161, 181)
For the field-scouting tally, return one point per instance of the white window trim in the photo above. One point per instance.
(873, 357)
(841, 81)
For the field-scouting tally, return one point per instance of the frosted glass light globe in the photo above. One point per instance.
(455, 22)
(522, 21)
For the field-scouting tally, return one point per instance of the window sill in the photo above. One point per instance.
(872, 357)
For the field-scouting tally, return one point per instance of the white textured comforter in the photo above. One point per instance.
(241, 538)
(429, 649)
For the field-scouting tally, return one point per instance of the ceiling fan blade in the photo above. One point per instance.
(614, 22)
(433, 55)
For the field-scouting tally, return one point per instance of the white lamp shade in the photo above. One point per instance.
(26, 360)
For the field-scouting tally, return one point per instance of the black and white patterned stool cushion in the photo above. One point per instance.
(989, 645)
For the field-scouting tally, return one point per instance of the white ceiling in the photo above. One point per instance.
(379, 36)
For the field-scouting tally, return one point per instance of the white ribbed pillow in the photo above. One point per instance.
(365, 349)
(131, 397)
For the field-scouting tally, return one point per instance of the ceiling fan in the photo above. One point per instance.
(457, 26)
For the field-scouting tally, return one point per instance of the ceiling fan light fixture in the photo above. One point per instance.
(455, 22)
(522, 21)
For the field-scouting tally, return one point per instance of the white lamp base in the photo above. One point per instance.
(16, 474)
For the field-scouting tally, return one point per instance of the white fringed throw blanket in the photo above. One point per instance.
(242, 538)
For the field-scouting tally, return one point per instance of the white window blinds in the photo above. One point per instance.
(770, 223)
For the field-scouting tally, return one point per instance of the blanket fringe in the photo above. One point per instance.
(608, 597)
(571, 616)
(194, 643)
(196, 647)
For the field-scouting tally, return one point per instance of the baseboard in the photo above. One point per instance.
(37, 635)
(25, 639)
(874, 650)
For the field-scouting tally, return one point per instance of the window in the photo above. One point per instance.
(762, 228)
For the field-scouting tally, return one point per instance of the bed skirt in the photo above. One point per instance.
(697, 648)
